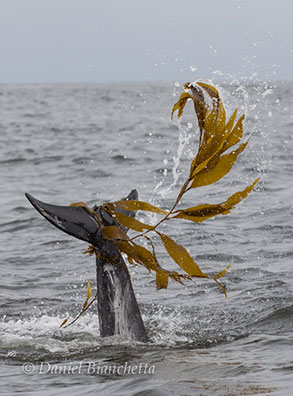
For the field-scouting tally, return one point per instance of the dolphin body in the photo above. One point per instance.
(117, 306)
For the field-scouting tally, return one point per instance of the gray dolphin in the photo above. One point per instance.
(117, 306)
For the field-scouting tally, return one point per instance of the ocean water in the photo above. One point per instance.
(68, 143)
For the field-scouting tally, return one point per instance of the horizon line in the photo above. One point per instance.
(128, 82)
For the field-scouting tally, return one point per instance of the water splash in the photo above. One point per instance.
(185, 134)
(236, 92)
(183, 142)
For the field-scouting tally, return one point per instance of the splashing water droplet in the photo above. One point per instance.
(193, 69)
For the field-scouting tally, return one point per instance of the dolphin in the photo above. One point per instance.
(118, 310)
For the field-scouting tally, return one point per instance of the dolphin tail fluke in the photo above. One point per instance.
(74, 220)
(117, 306)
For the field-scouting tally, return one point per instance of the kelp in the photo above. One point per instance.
(220, 144)
(85, 307)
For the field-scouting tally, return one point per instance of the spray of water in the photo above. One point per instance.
(183, 142)
(239, 97)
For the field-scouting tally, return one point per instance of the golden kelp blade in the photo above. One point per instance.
(237, 197)
(212, 145)
(180, 104)
(161, 279)
(89, 290)
(218, 141)
(132, 223)
(200, 213)
(230, 123)
(88, 294)
(198, 103)
(217, 104)
(212, 92)
(180, 255)
(85, 206)
(224, 272)
(130, 260)
(235, 136)
(127, 221)
(217, 136)
(162, 276)
(203, 158)
(200, 106)
(114, 233)
(210, 124)
(215, 171)
(82, 204)
(208, 152)
(143, 256)
(138, 253)
(138, 205)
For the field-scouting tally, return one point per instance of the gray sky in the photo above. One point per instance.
(139, 40)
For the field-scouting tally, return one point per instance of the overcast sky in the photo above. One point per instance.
(139, 40)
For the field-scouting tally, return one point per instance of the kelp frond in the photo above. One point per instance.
(220, 144)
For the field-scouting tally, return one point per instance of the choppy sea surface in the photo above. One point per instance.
(93, 143)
